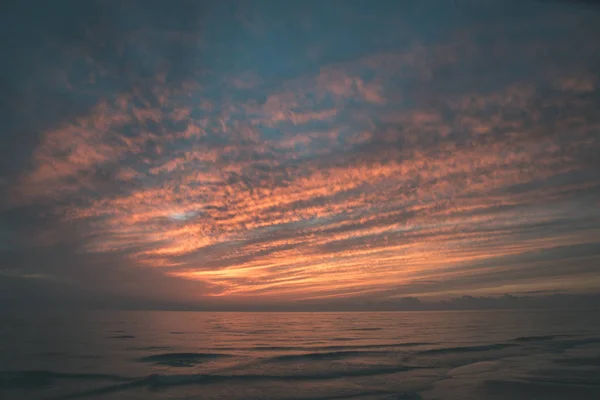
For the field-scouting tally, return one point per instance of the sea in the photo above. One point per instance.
(449, 355)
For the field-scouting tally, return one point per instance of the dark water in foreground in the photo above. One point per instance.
(197, 355)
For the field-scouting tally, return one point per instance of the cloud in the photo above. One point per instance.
(422, 165)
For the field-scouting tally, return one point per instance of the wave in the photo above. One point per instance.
(563, 345)
(534, 338)
(334, 347)
(365, 329)
(557, 343)
(582, 342)
(181, 359)
(544, 389)
(150, 348)
(336, 355)
(52, 354)
(178, 380)
(580, 361)
(158, 381)
(122, 337)
(377, 346)
(407, 396)
(466, 349)
(40, 378)
(257, 332)
(368, 394)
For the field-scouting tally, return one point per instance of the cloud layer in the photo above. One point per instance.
(252, 153)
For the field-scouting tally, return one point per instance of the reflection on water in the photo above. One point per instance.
(405, 355)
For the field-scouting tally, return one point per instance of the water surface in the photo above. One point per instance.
(458, 355)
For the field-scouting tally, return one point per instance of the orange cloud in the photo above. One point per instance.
(362, 178)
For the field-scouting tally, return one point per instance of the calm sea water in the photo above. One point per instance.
(403, 355)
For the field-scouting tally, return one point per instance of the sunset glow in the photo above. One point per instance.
(249, 154)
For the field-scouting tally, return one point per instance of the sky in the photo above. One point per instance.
(261, 153)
